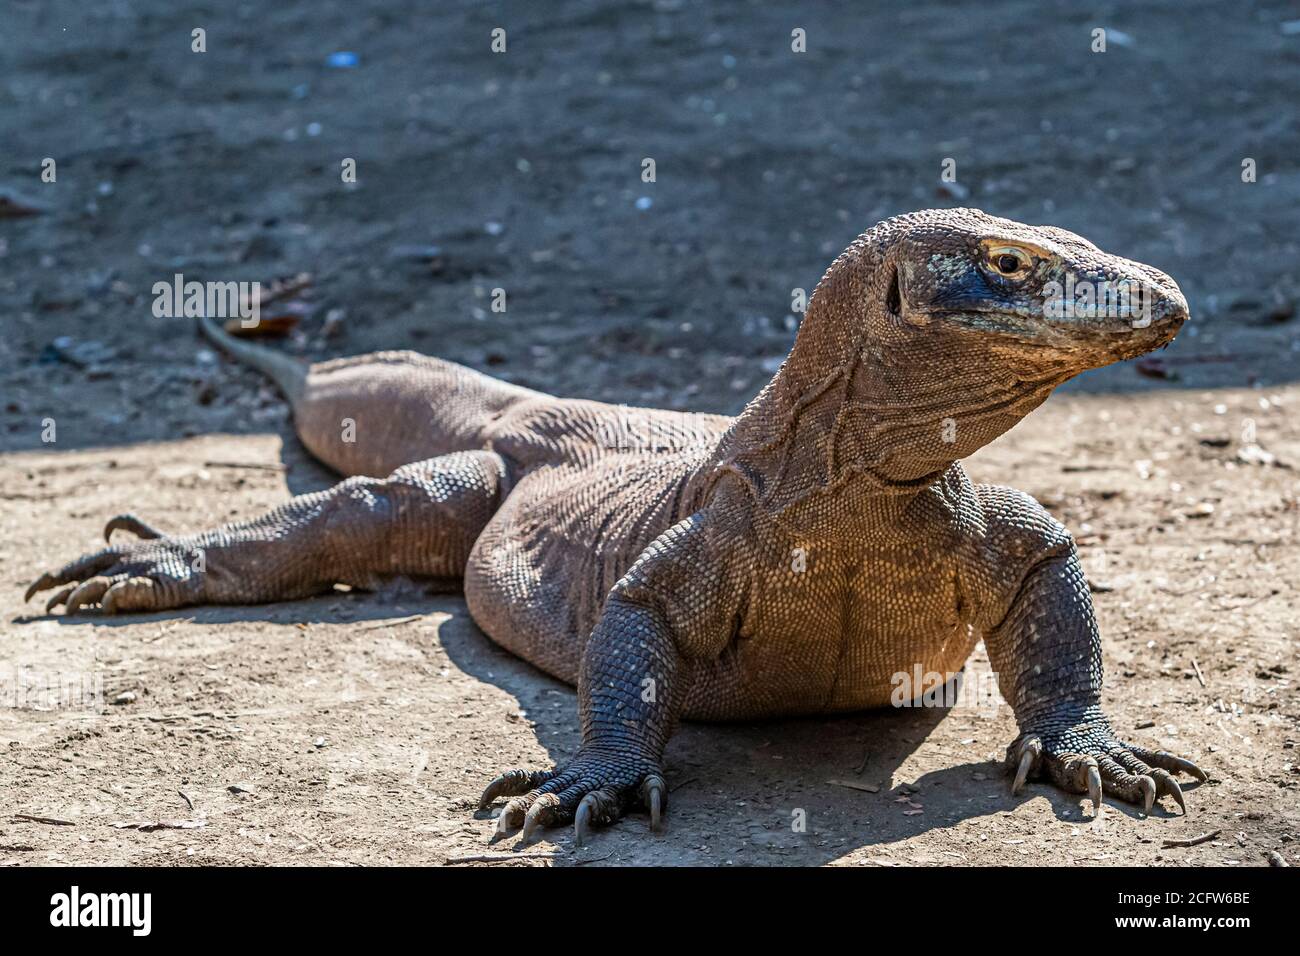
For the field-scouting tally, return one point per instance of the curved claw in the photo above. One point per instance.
(40, 584)
(87, 593)
(600, 807)
(512, 783)
(652, 791)
(1094, 788)
(1164, 760)
(540, 814)
(1171, 787)
(130, 523)
(511, 816)
(80, 570)
(1182, 764)
(493, 790)
(582, 819)
(59, 598)
(1022, 772)
(1148, 793)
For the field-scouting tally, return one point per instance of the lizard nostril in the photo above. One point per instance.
(1173, 309)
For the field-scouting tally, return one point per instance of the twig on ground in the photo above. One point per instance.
(378, 624)
(254, 465)
(1194, 841)
(499, 858)
(51, 821)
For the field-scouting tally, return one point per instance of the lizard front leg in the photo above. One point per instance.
(630, 691)
(1046, 652)
(422, 520)
(674, 608)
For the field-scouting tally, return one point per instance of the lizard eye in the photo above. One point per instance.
(1010, 261)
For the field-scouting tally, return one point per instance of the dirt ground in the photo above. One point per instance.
(359, 728)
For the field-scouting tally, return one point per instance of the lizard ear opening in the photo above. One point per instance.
(894, 297)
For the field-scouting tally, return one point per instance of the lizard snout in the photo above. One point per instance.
(1171, 308)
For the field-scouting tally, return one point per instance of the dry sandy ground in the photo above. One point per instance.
(359, 728)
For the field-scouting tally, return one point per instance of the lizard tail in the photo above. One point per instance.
(289, 374)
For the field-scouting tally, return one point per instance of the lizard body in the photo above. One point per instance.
(795, 559)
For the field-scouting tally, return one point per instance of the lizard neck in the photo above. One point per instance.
(869, 409)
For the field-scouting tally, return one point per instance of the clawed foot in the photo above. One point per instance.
(154, 574)
(1088, 759)
(594, 790)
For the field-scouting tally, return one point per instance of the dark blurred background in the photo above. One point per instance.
(522, 171)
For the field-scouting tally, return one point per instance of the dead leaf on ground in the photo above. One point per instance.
(13, 206)
(271, 326)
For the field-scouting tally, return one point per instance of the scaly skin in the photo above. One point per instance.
(792, 560)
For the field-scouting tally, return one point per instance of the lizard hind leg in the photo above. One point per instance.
(422, 521)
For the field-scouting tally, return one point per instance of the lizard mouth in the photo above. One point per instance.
(1166, 317)
(1082, 342)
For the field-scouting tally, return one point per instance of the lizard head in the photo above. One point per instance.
(935, 332)
(1032, 297)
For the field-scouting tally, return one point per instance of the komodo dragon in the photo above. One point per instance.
(792, 560)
